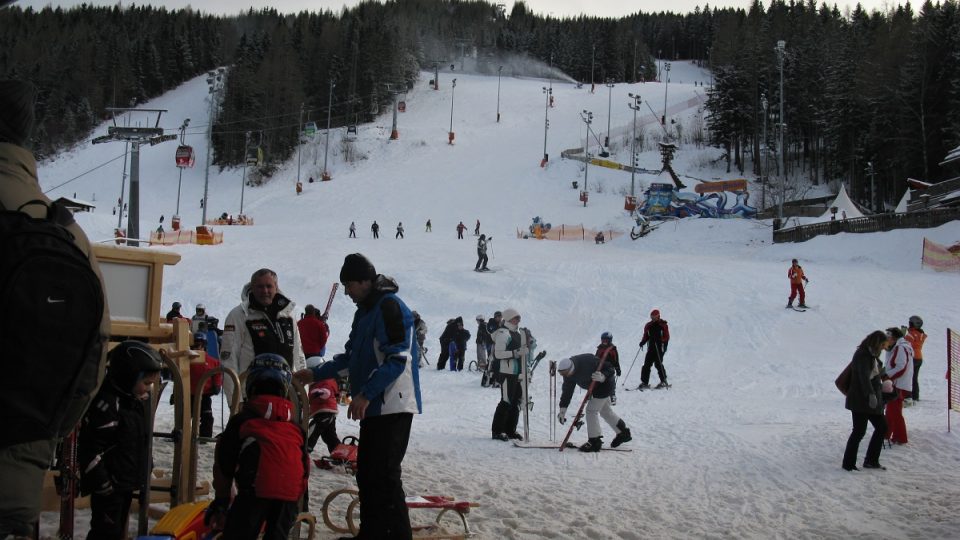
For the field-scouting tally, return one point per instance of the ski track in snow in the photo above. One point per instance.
(747, 443)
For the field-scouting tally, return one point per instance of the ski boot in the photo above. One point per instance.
(663, 384)
(501, 437)
(802, 306)
(789, 304)
(593, 444)
(623, 436)
(643, 386)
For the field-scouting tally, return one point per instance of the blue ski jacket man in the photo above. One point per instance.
(381, 354)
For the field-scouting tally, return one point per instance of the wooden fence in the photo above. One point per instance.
(876, 223)
(570, 232)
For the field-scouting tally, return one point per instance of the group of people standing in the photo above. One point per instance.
(375, 229)
(876, 391)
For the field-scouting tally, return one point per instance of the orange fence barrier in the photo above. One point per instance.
(169, 238)
(570, 232)
(239, 220)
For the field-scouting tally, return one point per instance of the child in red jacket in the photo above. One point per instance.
(323, 410)
(262, 452)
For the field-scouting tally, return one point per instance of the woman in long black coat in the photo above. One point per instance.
(865, 403)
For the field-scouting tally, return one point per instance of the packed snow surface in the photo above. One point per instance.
(747, 443)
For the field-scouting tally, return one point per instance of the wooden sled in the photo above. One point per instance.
(438, 530)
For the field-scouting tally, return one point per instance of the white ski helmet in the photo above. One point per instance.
(314, 361)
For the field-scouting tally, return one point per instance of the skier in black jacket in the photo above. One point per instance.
(448, 335)
(581, 370)
(114, 438)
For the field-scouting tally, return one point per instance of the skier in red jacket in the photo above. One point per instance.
(657, 333)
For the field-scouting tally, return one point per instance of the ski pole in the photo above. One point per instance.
(583, 404)
(631, 366)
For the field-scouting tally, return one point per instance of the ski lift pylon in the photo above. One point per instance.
(185, 157)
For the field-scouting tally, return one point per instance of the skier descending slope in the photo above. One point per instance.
(581, 370)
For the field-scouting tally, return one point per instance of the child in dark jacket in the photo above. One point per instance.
(113, 440)
(262, 452)
(212, 386)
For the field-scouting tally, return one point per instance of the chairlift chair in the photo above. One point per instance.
(402, 106)
(310, 129)
(351, 133)
(185, 157)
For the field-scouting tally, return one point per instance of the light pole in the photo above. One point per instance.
(453, 88)
(763, 162)
(546, 124)
(666, 76)
(183, 136)
(243, 180)
(499, 72)
(610, 85)
(593, 63)
(781, 51)
(587, 117)
(215, 86)
(325, 176)
(633, 147)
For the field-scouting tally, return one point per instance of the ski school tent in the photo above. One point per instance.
(844, 206)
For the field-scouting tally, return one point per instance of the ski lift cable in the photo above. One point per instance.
(84, 173)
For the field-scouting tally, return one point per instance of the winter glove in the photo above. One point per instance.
(562, 417)
(618, 373)
(598, 376)
(216, 513)
(642, 344)
(873, 401)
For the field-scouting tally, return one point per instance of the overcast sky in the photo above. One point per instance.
(558, 8)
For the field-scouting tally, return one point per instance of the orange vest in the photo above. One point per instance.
(795, 274)
(916, 337)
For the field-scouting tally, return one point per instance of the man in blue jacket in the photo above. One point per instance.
(382, 358)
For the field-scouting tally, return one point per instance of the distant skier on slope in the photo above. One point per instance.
(797, 279)
(657, 332)
(482, 252)
(581, 370)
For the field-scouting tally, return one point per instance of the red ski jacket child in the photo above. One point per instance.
(198, 369)
(323, 397)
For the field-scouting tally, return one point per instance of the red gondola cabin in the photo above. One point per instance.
(185, 156)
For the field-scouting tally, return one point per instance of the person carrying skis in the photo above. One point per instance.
(916, 336)
(482, 253)
(657, 333)
(582, 370)
(112, 448)
(613, 358)
(262, 452)
(511, 346)
(797, 279)
(314, 332)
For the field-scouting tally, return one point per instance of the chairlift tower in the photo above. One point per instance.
(587, 117)
(609, 84)
(548, 92)
(135, 136)
(635, 106)
(325, 176)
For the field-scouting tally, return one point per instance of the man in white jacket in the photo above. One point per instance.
(262, 323)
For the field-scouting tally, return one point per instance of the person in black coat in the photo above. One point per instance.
(114, 439)
(449, 333)
(462, 337)
(865, 402)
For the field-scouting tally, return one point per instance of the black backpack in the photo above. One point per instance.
(49, 326)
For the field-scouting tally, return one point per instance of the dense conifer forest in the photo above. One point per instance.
(862, 91)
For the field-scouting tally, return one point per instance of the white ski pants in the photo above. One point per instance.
(596, 408)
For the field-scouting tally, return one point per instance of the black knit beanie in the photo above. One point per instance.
(16, 111)
(356, 267)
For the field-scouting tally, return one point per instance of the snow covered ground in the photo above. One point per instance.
(747, 443)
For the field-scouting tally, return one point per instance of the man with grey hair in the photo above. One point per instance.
(262, 323)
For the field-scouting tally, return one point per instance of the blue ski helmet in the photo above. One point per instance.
(268, 374)
(606, 336)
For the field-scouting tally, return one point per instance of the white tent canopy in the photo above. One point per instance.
(902, 205)
(844, 205)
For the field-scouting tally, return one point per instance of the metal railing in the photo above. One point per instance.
(876, 223)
